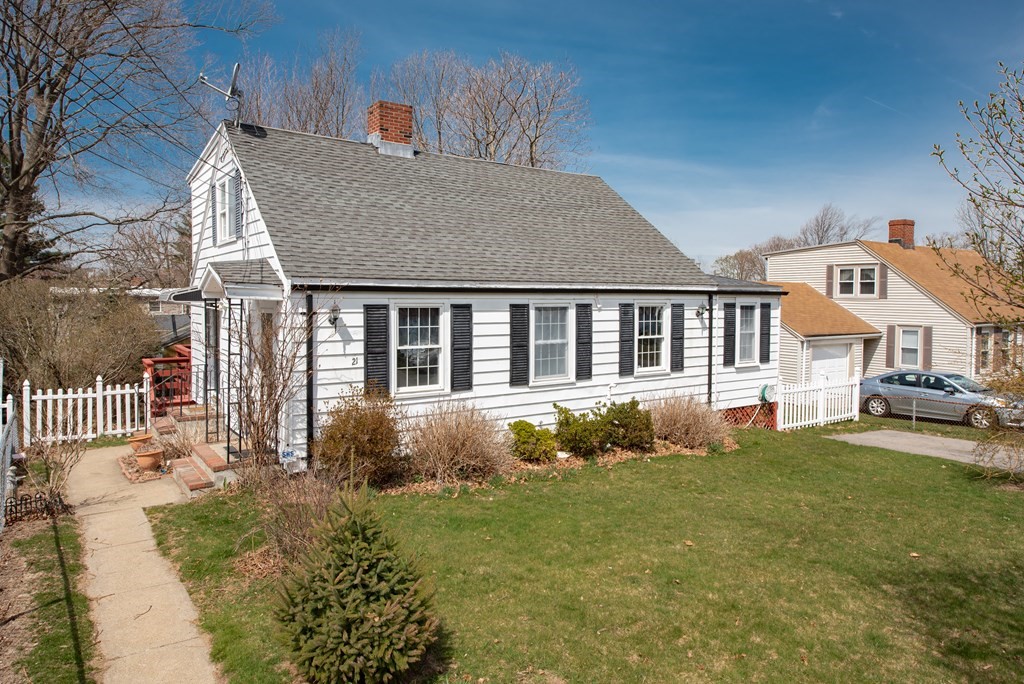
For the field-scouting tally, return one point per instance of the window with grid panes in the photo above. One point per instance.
(550, 342)
(747, 333)
(650, 337)
(418, 361)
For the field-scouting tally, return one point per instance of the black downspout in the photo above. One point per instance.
(309, 376)
(711, 341)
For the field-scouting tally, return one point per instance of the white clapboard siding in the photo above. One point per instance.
(905, 305)
(84, 413)
(339, 360)
(791, 351)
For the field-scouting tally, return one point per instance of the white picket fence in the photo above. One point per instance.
(84, 413)
(818, 404)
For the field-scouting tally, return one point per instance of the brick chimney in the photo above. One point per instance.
(901, 231)
(389, 128)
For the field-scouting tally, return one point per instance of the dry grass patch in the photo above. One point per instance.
(458, 442)
(687, 422)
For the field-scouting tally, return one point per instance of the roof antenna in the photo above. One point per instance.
(233, 95)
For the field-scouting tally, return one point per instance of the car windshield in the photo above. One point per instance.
(967, 384)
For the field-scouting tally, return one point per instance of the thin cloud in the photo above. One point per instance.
(884, 106)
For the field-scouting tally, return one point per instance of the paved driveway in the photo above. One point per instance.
(914, 443)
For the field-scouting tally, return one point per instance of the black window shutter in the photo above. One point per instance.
(678, 358)
(236, 187)
(376, 348)
(519, 344)
(729, 336)
(462, 347)
(766, 333)
(584, 341)
(213, 212)
(626, 340)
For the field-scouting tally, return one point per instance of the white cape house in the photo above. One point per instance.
(442, 278)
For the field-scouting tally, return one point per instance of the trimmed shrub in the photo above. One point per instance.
(627, 426)
(457, 442)
(352, 608)
(581, 435)
(362, 435)
(687, 422)
(531, 443)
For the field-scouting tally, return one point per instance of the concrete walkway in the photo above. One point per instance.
(145, 620)
(914, 443)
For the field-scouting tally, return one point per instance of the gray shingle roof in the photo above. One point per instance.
(339, 212)
(737, 285)
(246, 272)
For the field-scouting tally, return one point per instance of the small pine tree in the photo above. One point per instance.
(353, 609)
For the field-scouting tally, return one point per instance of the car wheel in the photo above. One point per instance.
(981, 418)
(877, 406)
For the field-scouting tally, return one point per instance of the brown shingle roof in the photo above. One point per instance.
(809, 313)
(929, 269)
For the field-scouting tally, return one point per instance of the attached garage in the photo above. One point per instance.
(818, 337)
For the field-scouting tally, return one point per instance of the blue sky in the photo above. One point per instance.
(722, 121)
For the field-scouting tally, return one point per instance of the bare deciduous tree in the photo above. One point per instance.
(65, 336)
(508, 110)
(321, 93)
(993, 226)
(831, 225)
(155, 253)
(92, 87)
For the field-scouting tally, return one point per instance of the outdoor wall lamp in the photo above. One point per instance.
(701, 310)
(334, 315)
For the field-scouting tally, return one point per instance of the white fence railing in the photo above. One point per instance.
(84, 413)
(8, 445)
(818, 404)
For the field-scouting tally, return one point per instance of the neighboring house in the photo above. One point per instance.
(445, 278)
(910, 294)
(819, 339)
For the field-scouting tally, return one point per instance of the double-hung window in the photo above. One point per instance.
(857, 281)
(650, 337)
(418, 357)
(550, 342)
(747, 334)
(225, 215)
(910, 347)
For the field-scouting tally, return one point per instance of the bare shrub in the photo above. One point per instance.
(687, 422)
(49, 461)
(458, 442)
(178, 444)
(1001, 454)
(362, 436)
(292, 504)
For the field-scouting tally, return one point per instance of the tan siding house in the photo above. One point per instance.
(908, 293)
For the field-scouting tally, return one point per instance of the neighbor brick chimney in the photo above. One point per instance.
(901, 231)
(389, 128)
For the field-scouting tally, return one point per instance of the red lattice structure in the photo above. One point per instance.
(765, 418)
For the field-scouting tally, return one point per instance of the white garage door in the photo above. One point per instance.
(830, 360)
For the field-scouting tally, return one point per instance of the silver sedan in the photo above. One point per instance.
(941, 395)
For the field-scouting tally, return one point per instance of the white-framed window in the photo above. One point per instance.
(651, 350)
(418, 357)
(746, 334)
(550, 342)
(910, 347)
(857, 281)
(225, 215)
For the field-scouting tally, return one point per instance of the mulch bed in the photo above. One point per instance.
(135, 474)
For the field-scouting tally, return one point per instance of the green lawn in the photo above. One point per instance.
(64, 633)
(787, 560)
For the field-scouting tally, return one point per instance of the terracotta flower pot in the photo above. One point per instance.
(149, 460)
